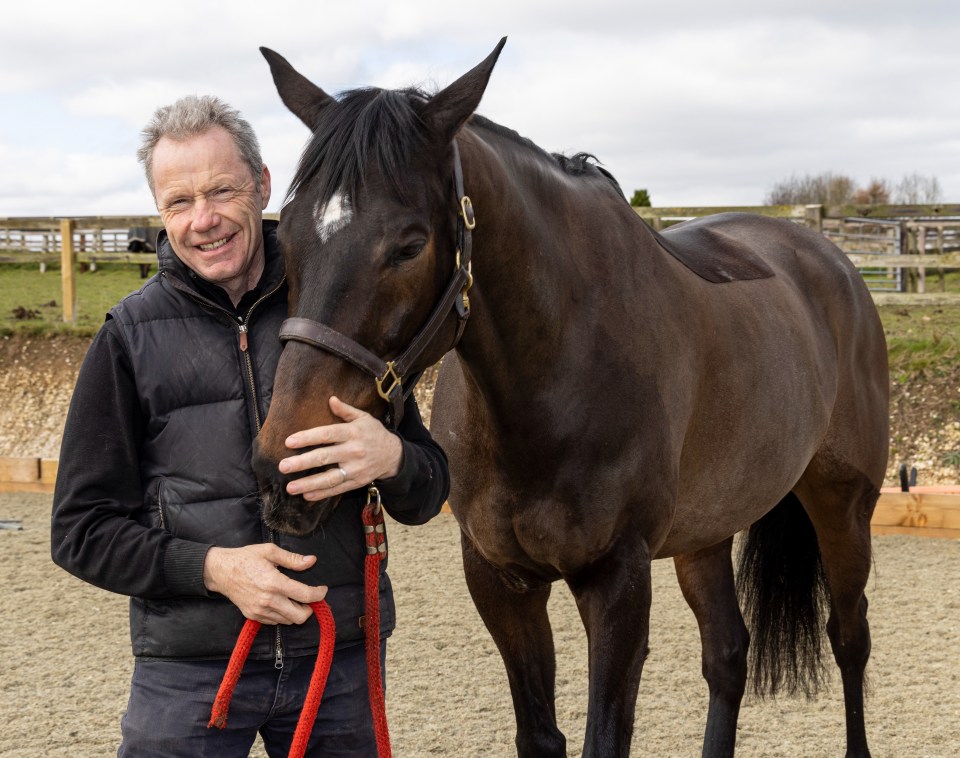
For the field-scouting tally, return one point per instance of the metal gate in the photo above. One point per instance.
(870, 237)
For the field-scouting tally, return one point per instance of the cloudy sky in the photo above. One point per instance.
(700, 102)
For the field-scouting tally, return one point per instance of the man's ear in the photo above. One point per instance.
(265, 187)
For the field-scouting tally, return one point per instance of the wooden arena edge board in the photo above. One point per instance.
(930, 514)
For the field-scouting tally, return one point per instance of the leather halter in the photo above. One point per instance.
(389, 375)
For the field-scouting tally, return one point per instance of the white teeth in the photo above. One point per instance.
(213, 245)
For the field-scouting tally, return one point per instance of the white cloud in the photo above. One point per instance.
(700, 102)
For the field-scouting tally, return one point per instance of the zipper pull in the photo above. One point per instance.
(278, 656)
(243, 337)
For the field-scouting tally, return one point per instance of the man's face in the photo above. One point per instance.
(211, 208)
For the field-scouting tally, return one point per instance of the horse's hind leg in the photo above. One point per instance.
(517, 620)
(706, 579)
(839, 501)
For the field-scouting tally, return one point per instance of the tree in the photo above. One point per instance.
(837, 189)
(821, 189)
(875, 193)
(640, 199)
(915, 189)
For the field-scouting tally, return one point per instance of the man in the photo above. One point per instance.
(155, 496)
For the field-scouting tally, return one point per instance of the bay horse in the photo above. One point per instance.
(617, 396)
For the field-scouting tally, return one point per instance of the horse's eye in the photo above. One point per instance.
(409, 251)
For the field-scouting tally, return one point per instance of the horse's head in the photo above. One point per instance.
(370, 237)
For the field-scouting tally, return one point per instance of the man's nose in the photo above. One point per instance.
(205, 216)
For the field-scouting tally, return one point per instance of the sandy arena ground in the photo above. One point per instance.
(66, 660)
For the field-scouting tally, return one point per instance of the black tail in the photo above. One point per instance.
(783, 591)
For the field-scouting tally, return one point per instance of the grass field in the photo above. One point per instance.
(31, 301)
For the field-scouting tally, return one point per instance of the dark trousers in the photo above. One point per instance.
(170, 704)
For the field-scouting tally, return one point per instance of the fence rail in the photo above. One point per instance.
(894, 246)
(883, 241)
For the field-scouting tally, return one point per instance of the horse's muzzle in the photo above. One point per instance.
(283, 512)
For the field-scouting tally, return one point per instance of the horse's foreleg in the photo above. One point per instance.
(613, 596)
(706, 580)
(517, 621)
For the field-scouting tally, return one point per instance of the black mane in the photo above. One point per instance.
(385, 126)
(364, 125)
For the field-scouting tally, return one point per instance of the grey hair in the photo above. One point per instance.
(193, 115)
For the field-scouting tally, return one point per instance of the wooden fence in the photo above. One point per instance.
(882, 240)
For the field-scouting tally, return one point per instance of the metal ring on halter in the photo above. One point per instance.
(343, 473)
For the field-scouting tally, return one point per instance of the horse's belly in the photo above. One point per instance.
(730, 477)
(707, 517)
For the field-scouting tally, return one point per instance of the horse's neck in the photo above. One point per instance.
(549, 260)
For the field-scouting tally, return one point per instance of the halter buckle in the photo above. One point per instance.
(395, 381)
(466, 287)
(466, 210)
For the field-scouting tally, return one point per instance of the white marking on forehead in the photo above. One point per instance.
(330, 218)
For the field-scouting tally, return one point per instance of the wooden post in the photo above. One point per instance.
(814, 217)
(921, 250)
(938, 250)
(68, 267)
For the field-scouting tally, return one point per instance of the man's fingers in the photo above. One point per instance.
(344, 410)
(318, 435)
(306, 594)
(330, 455)
(291, 613)
(290, 560)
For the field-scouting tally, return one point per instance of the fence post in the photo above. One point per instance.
(68, 267)
(813, 217)
(922, 250)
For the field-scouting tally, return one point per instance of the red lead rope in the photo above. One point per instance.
(375, 539)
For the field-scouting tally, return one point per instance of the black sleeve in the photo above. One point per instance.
(417, 493)
(97, 532)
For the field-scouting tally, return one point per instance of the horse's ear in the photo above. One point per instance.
(449, 109)
(304, 98)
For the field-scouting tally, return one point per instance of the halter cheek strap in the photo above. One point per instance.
(389, 376)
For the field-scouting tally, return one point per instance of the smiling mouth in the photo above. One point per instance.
(216, 244)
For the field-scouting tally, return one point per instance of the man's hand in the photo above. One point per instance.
(248, 576)
(360, 450)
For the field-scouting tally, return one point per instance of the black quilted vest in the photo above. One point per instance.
(202, 399)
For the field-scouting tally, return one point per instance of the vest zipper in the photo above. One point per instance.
(160, 504)
(243, 330)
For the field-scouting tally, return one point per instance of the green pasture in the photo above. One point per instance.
(921, 340)
(31, 301)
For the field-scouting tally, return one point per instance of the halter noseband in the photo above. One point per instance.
(389, 375)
